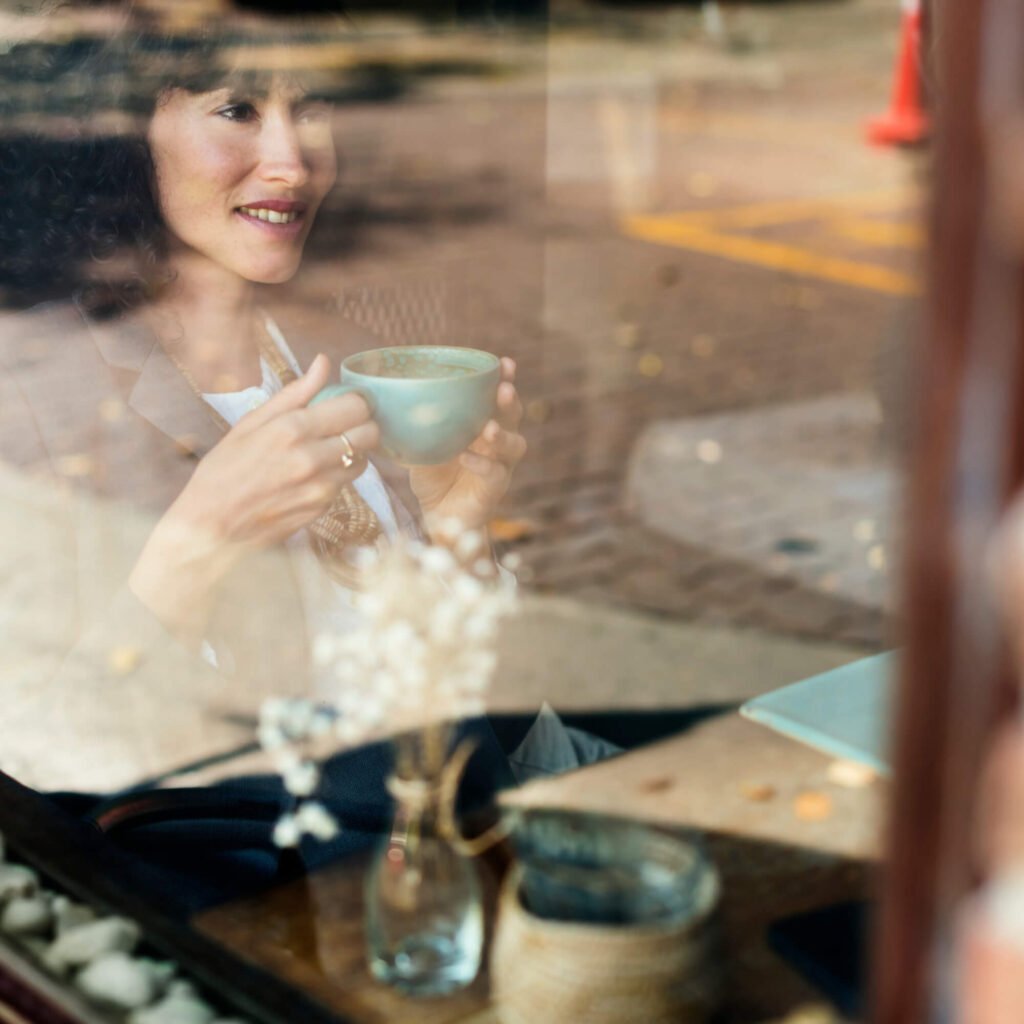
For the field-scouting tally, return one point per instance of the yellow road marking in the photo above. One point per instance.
(773, 255)
(758, 215)
(881, 233)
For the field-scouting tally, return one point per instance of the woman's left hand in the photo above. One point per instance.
(470, 486)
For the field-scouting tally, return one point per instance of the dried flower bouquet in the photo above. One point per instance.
(422, 656)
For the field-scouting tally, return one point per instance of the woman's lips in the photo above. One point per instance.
(276, 211)
(271, 217)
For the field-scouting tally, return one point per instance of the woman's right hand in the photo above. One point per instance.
(276, 471)
(279, 467)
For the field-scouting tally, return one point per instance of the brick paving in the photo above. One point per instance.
(800, 495)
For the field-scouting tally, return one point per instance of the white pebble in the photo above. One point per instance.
(51, 962)
(17, 880)
(27, 915)
(161, 971)
(35, 945)
(78, 946)
(70, 914)
(175, 1009)
(117, 979)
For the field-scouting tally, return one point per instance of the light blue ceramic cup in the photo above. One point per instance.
(430, 401)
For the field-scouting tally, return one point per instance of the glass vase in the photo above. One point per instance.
(424, 908)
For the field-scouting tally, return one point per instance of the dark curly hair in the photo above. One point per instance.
(79, 214)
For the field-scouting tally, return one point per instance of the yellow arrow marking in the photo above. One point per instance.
(760, 215)
(881, 233)
(773, 255)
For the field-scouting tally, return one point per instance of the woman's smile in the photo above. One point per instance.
(284, 218)
(239, 179)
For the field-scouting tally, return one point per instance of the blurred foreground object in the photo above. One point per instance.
(967, 461)
(990, 937)
(991, 953)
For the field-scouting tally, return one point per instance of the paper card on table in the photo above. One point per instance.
(843, 712)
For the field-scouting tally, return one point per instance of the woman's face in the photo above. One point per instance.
(239, 178)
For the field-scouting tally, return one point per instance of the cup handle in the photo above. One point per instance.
(334, 390)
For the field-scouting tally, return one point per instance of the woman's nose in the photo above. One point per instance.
(281, 154)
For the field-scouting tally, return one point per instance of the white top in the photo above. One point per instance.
(327, 604)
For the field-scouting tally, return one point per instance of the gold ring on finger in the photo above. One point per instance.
(348, 458)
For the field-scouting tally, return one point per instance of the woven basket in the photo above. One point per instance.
(553, 972)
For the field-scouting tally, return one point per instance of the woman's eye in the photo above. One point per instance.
(237, 111)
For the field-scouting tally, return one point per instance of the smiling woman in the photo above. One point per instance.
(216, 514)
(240, 178)
(86, 210)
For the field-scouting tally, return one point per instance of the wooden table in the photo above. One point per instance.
(784, 837)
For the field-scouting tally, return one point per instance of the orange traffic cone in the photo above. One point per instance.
(905, 122)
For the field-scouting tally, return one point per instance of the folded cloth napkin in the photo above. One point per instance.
(551, 747)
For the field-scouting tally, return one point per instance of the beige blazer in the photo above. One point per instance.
(98, 434)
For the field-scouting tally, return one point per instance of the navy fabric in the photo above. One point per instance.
(199, 862)
(192, 863)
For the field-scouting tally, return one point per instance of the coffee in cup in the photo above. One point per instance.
(430, 401)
